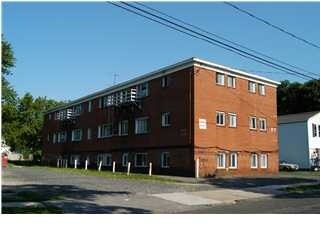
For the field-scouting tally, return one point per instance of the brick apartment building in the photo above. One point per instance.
(194, 109)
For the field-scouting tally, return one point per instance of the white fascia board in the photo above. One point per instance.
(237, 73)
(167, 70)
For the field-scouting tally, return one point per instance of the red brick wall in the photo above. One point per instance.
(174, 99)
(209, 98)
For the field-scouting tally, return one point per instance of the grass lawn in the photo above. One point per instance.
(116, 175)
(300, 173)
(303, 188)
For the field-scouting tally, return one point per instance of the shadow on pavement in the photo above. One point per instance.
(70, 198)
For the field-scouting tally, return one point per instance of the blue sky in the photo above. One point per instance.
(67, 50)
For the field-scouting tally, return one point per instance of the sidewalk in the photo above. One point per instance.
(226, 196)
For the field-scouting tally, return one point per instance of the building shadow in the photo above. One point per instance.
(70, 198)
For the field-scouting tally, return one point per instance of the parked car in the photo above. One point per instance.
(285, 166)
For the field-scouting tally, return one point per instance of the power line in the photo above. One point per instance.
(272, 25)
(206, 40)
(220, 44)
(220, 37)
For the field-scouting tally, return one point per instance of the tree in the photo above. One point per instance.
(298, 97)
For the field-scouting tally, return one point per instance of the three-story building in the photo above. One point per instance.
(195, 111)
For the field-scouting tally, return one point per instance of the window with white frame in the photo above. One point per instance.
(254, 160)
(105, 130)
(220, 78)
(233, 160)
(252, 87)
(252, 122)
(62, 137)
(77, 110)
(89, 133)
(76, 135)
(262, 89)
(232, 120)
(142, 125)
(100, 102)
(263, 160)
(165, 81)
(142, 90)
(165, 159)
(125, 159)
(221, 160)
(165, 119)
(314, 130)
(54, 138)
(263, 124)
(231, 82)
(89, 106)
(141, 159)
(123, 128)
(220, 118)
(105, 159)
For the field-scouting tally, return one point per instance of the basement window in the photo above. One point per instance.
(221, 160)
(233, 160)
(125, 159)
(105, 158)
(141, 160)
(263, 160)
(165, 159)
(254, 160)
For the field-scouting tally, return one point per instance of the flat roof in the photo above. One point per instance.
(296, 117)
(163, 71)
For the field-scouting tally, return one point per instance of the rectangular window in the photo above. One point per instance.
(141, 160)
(142, 125)
(263, 160)
(62, 137)
(105, 101)
(105, 158)
(314, 130)
(221, 160)
(252, 122)
(142, 90)
(48, 137)
(89, 106)
(89, 134)
(77, 110)
(232, 120)
(165, 159)
(318, 130)
(220, 118)
(105, 130)
(231, 82)
(202, 123)
(76, 135)
(165, 81)
(100, 102)
(49, 116)
(220, 78)
(254, 160)
(263, 124)
(252, 87)
(54, 138)
(125, 159)
(165, 119)
(233, 160)
(262, 89)
(123, 128)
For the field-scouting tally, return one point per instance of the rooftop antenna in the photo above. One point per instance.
(115, 78)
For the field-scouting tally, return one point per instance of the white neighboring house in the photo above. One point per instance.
(299, 139)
